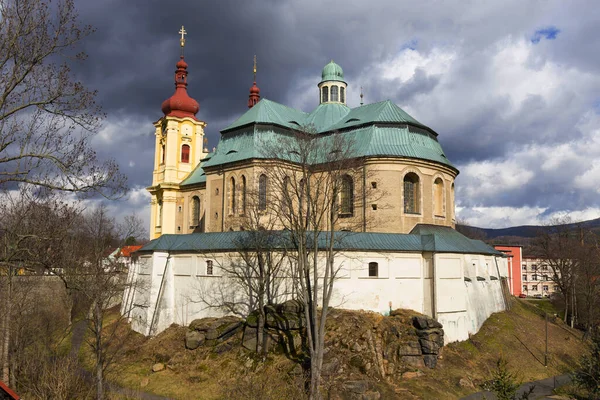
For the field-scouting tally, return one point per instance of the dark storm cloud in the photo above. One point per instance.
(482, 102)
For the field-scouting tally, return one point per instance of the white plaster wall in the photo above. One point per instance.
(429, 284)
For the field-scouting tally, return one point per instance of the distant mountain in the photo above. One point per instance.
(523, 231)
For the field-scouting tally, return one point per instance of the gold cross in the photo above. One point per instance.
(183, 33)
(254, 70)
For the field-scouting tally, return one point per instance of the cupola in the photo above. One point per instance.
(254, 96)
(332, 88)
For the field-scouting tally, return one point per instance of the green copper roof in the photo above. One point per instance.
(270, 112)
(422, 238)
(326, 115)
(197, 176)
(384, 111)
(332, 72)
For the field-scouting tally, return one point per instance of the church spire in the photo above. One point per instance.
(254, 96)
(181, 104)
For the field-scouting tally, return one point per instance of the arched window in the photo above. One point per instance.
(185, 153)
(334, 93)
(373, 269)
(262, 192)
(342, 95)
(347, 196)
(195, 211)
(162, 154)
(411, 193)
(243, 194)
(232, 199)
(325, 96)
(438, 196)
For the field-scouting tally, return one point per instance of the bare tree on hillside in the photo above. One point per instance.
(254, 275)
(560, 249)
(47, 117)
(315, 197)
(31, 226)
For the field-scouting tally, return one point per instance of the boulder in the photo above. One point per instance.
(420, 322)
(158, 367)
(429, 346)
(411, 374)
(358, 387)
(466, 383)
(413, 361)
(410, 349)
(331, 367)
(290, 306)
(430, 360)
(202, 324)
(194, 339)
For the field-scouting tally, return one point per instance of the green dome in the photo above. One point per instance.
(332, 72)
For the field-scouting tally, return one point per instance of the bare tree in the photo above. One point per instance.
(314, 195)
(47, 117)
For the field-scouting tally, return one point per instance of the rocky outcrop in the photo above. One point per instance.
(211, 331)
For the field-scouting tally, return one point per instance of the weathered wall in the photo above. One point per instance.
(433, 284)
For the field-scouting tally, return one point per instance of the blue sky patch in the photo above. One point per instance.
(548, 33)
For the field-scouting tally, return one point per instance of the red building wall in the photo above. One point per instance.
(515, 259)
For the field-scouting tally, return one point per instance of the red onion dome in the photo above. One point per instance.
(180, 104)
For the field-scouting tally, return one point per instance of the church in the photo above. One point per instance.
(395, 206)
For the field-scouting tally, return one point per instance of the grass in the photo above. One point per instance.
(518, 336)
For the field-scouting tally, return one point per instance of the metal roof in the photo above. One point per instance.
(197, 176)
(270, 112)
(422, 238)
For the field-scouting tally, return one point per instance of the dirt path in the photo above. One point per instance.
(77, 340)
(543, 389)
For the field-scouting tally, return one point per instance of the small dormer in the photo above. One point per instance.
(332, 88)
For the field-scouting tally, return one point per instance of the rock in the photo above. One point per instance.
(290, 306)
(330, 367)
(202, 324)
(224, 329)
(358, 362)
(144, 382)
(410, 349)
(430, 360)
(425, 323)
(193, 339)
(223, 347)
(358, 387)
(249, 338)
(371, 395)
(357, 348)
(429, 347)
(158, 367)
(413, 361)
(411, 374)
(466, 383)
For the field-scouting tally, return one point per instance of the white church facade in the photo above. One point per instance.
(394, 211)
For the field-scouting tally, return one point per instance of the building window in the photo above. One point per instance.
(534, 267)
(438, 196)
(524, 268)
(411, 193)
(534, 277)
(162, 154)
(262, 192)
(286, 200)
(334, 93)
(232, 196)
(347, 196)
(325, 94)
(185, 153)
(342, 95)
(243, 195)
(195, 211)
(524, 288)
(524, 277)
(373, 269)
(209, 267)
(534, 287)
(545, 288)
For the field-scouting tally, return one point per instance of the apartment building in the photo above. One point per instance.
(536, 278)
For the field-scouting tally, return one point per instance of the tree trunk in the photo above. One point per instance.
(6, 330)
(99, 353)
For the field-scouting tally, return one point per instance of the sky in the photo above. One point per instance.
(511, 87)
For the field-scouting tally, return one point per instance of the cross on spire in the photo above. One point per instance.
(254, 69)
(183, 32)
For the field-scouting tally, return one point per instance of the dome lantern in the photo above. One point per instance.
(332, 88)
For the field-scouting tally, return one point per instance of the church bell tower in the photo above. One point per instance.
(179, 149)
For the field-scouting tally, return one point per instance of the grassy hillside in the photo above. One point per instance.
(230, 372)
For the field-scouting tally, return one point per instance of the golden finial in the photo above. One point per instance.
(182, 40)
(254, 69)
(361, 96)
